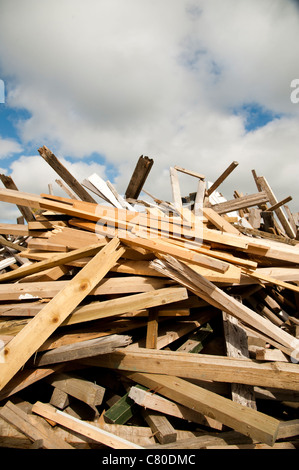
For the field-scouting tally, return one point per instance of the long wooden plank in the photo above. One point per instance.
(78, 387)
(139, 176)
(54, 260)
(14, 229)
(176, 191)
(126, 304)
(60, 169)
(153, 401)
(82, 427)
(27, 377)
(160, 426)
(108, 286)
(189, 172)
(32, 426)
(162, 247)
(245, 420)
(240, 203)
(218, 221)
(202, 367)
(79, 350)
(271, 280)
(219, 299)
(279, 211)
(107, 308)
(33, 335)
(10, 184)
(237, 346)
(222, 177)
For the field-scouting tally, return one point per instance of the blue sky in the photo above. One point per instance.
(193, 83)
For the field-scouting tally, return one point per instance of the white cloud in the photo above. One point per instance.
(154, 78)
(9, 147)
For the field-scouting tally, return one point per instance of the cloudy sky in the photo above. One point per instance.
(194, 83)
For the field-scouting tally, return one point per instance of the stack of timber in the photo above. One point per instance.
(130, 323)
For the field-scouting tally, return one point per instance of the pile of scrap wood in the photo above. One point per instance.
(130, 323)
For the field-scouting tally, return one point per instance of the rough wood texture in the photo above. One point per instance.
(33, 335)
(253, 423)
(237, 346)
(139, 176)
(32, 427)
(60, 169)
(9, 183)
(81, 427)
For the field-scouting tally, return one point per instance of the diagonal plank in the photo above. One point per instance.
(219, 299)
(38, 330)
(33, 427)
(245, 420)
(55, 260)
(82, 427)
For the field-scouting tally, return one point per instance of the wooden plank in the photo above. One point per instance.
(54, 260)
(273, 250)
(25, 378)
(153, 401)
(279, 204)
(218, 221)
(237, 346)
(288, 429)
(59, 399)
(207, 235)
(199, 198)
(160, 426)
(32, 427)
(152, 328)
(222, 177)
(82, 427)
(254, 217)
(102, 187)
(19, 230)
(10, 184)
(108, 286)
(33, 335)
(162, 247)
(245, 420)
(279, 211)
(60, 169)
(271, 280)
(219, 299)
(201, 367)
(66, 189)
(125, 304)
(240, 203)
(276, 446)
(176, 191)
(82, 349)
(52, 274)
(139, 176)
(13, 245)
(196, 341)
(122, 410)
(78, 387)
(141, 435)
(188, 172)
